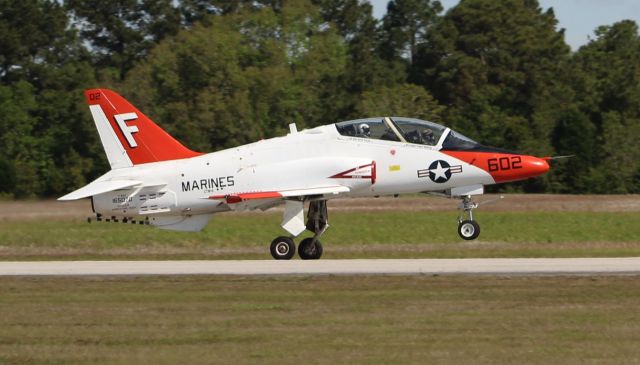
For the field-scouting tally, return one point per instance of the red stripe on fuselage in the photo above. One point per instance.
(237, 198)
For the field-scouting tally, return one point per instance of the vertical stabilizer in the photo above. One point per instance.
(128, 136)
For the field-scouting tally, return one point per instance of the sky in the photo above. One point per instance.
(579, 17)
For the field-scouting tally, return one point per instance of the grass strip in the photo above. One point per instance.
(352, 234)
(320, 320)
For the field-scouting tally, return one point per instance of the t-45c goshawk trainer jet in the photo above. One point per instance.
(156, 180)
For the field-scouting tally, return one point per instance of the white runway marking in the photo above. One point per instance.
(561, 266)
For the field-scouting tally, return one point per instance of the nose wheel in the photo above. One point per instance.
(468, 229)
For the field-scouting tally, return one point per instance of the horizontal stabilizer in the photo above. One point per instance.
(99, 187)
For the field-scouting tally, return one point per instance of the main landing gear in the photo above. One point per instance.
(468, 229)
(284, 248)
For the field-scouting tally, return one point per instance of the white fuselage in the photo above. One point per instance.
(306, 159)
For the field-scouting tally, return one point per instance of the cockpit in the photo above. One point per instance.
(406, 130)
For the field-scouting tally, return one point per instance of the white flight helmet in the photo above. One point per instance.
(364, 130)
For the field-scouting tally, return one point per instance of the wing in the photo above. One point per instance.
(258, 199)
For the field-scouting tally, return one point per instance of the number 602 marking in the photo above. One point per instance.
(504, 163)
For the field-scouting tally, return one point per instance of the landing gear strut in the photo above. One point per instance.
(468, 229)
(284, 248)
(317, 222)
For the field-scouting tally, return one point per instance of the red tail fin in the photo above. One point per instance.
(136, 134)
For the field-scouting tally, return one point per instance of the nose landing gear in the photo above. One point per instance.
(468, 229)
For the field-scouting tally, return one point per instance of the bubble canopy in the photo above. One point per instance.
(408, 130)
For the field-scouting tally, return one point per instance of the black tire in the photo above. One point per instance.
(283, 248)
(308, 250)
(469, 230)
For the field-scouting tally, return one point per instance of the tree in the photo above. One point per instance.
(48, 145)
(194, 11)
(218, 74)
(574, 135)
(32, 32)
(608, 91)
(121, 32)
(242, 77)
(365, 69)
(499, 66)
(406, 25)
(405, 100)
(16, 128)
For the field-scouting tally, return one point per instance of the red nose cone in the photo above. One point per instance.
(532, 167)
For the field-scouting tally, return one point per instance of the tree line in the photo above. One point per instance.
(217, 74)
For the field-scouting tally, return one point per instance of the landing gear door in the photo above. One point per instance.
(293, 218)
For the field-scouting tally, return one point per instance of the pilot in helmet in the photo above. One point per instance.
(427, 136)
(364, 130)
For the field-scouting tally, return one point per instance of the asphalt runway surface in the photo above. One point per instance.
(534, 266)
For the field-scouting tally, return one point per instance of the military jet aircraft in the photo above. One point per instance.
(156, 180)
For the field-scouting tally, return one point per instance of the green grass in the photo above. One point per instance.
(320, 320)
(352, 234)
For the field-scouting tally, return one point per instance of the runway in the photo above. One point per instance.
(537, 266)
